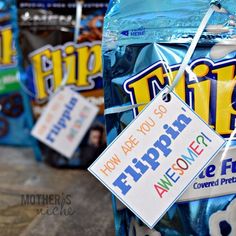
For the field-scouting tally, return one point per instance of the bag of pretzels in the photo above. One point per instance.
(15, 116)
(52, 47)
(144, 45)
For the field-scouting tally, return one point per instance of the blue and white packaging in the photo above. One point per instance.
(15, 114)
(144, 44)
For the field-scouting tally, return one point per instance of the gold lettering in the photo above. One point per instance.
(225, 87)
(40, 73)
(7, 51)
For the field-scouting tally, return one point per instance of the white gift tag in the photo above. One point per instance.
(152, 162)
(65, 121)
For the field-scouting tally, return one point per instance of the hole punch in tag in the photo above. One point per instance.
(153, 161)
(166, 97)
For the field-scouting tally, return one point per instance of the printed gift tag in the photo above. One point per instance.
(65, 122)
(153, 161)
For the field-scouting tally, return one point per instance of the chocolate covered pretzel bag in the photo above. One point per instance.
(51, 51)
(15, 116)
(144, 45)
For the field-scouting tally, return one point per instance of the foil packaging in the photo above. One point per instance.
(144, 44)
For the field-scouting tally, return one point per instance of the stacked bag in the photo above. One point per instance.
(49, 50)
(15, 113)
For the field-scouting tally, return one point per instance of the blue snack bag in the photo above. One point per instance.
(144, 45)
(15, 115)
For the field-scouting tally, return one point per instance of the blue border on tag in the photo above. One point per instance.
(174, 201)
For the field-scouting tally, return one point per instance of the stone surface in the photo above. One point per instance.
(20, 174)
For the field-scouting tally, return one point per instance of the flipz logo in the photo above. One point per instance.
(208, 87)
(7, 49)
(79, 64)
